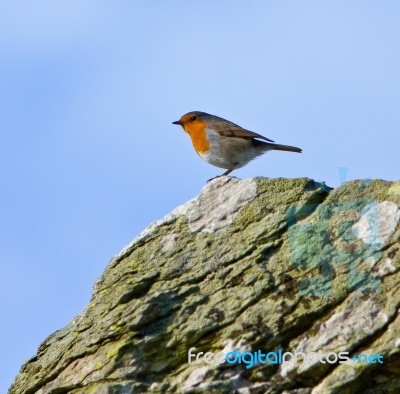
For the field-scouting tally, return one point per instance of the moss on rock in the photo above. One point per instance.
(248, 264)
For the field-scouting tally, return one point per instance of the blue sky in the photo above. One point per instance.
(89, 157)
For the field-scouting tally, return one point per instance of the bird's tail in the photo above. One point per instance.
(288, 148)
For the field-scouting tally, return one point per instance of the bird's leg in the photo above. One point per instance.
(228, 171)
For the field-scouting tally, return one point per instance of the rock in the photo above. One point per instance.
(274, 265)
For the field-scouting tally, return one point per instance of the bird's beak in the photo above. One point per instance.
(177, 122)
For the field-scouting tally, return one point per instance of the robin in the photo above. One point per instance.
(225, 144)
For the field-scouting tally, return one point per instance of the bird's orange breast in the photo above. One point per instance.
(197, 132)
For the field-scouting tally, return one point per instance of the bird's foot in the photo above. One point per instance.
(211, 179)
(228, 171)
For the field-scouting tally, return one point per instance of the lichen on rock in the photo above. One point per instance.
(249, 264)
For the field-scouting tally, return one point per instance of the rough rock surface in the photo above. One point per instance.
(249, 264)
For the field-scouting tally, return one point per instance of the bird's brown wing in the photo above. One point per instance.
(229, 129)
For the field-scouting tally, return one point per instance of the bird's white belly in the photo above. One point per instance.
(214, 159)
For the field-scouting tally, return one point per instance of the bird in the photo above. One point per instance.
(223, 143)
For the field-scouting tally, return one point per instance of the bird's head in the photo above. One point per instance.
(192, 121)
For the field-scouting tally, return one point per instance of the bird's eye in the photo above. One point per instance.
(193, 118)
